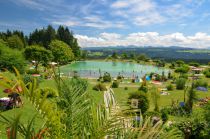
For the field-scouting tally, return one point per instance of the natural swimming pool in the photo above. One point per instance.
(93, 69)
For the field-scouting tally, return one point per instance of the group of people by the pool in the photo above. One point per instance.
(96, 73)
(13, 100)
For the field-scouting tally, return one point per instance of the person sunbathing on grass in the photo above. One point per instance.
(16, 100)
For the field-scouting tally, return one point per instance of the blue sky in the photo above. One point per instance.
(115, 22)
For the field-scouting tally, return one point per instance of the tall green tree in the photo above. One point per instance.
(43, 36)
(49, 35)
(191, 97)
(61, 51)
(21, 35)
(180, 63)
(39, 54)
(66, 36)
(15, 42)
(36, 37)
(155, 98)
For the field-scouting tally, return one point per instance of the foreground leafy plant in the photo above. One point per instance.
(74, 115)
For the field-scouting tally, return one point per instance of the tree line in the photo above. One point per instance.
(43, 37)
(42, 46)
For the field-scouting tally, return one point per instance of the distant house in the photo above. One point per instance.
(196, 70)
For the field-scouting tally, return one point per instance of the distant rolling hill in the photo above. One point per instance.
(165, 53)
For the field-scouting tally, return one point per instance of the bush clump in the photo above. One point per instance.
(27, 78)
(164, 115)
(143, 101)
(184, 76)
(99, 87)
(180, 83)
(120, 77)
(107, 77)
(49, 92)
(195, 64)
(126, 88)
(207, 73)
(115, 84)
(170, 87)
(182, 69)
(143, 88)
(10, 58)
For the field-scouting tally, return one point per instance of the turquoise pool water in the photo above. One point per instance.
(94, 68)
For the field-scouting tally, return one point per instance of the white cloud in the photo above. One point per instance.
(120, 4)
(199, 40)
(148, 19)
(90, 21)
(66, 23)
(113, 14)
(138, 12)
(150, 12)
(110, 36)
(43, 5)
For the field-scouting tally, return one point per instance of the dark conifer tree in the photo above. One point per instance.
(60, 34)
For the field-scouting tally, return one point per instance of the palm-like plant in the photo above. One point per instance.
(74, 115)
(26, 131)
(34, 95)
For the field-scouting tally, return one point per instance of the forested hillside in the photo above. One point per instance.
(165, 53)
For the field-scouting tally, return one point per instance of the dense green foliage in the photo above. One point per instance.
(170, 87)
(207, 73)
(192, 128)
(42, 37)
(99, 87)
(10, 58)
(206, 115)
(15, 42)
(49, 92)
(27, 78)
(39, 54)
(201, 83)
(143, 88)
(61, 52)
(107, 77)
(191, 98)
(195, 64)
(182, 69)
(115, 84)
(180, 63)
(142, 57)
(66, 36)
(155, 95)
(180, 83)
(143, 102)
